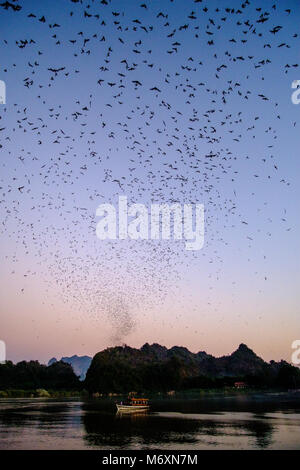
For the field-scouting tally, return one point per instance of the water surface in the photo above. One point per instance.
(242, 422)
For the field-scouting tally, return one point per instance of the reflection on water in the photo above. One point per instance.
(262, 422)
(160, 429)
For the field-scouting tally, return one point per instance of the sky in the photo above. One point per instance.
(162, 102)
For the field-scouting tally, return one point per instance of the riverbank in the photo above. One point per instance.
(41, 393)
(178, 394)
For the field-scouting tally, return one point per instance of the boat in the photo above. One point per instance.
(133, 405)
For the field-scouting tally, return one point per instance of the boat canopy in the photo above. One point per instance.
(139, 400)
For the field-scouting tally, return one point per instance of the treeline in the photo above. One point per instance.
(286, 377)
(32, 375)
(112, 375)
(114, 372)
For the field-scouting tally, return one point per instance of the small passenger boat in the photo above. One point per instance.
(133, 405)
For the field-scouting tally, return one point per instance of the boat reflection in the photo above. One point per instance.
(133, 415)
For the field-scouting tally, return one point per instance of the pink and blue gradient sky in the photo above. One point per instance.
(67, 142)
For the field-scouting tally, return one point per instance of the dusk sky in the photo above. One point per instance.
(162, 102)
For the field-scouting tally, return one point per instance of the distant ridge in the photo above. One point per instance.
(80, 364)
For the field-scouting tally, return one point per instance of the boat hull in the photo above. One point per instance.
(132, 408)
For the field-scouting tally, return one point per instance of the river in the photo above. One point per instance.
(240, 422)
